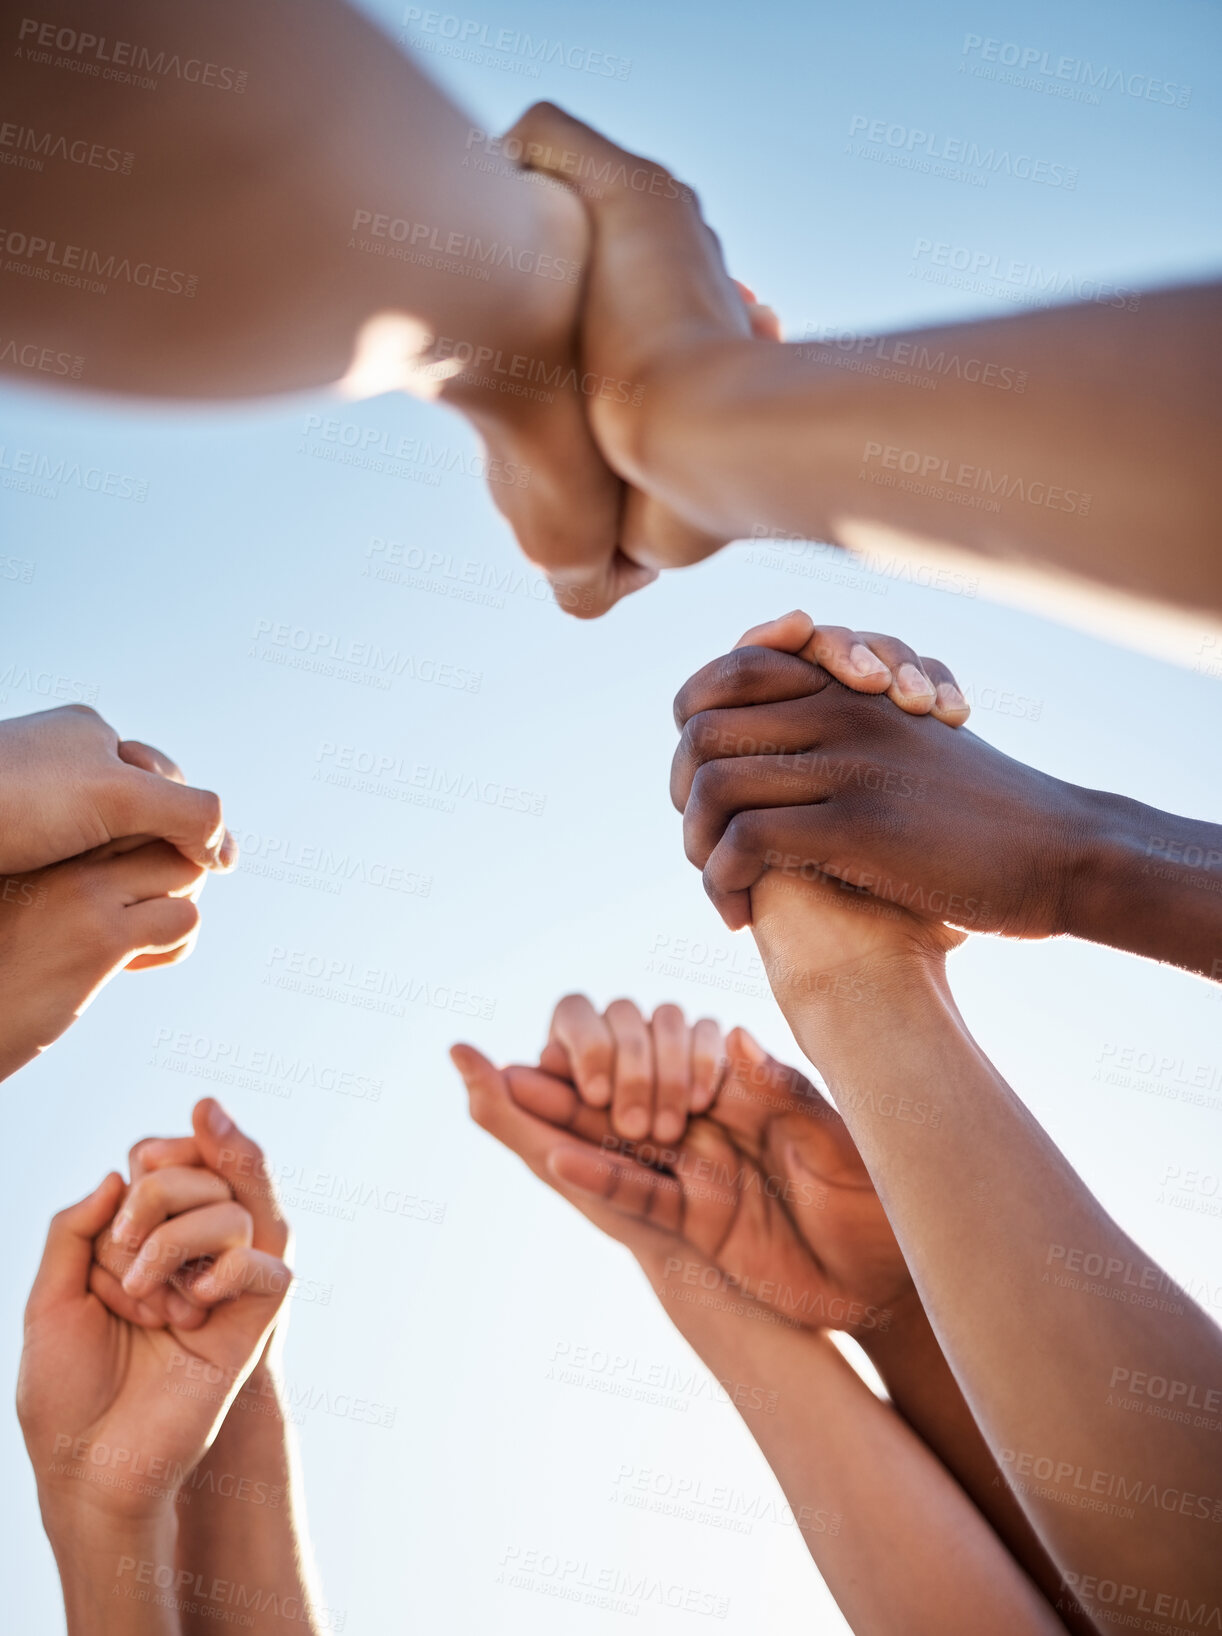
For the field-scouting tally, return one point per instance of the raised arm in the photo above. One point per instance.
(880, 1516)
(1077, 438)
(1039, 1300)
(252, 1463)
(780, 767)
(278, 200)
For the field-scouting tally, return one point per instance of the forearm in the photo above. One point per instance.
(995, 1263)
(1153, 885)
(259, 1545)
(1032, 446)
(898, 1543)
(117, 1574)
(924, 1391)
(338, 184)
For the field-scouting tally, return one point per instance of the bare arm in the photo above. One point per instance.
(1077, 438)
(1036, 1296)
(901, 1547)
(900, 1517)
(216, 1539)
(280, 201)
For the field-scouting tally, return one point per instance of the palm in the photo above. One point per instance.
(778, 1117)
(146, 1401)
(819, 1253)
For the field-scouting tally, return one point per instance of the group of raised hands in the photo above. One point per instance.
(1014, 1478)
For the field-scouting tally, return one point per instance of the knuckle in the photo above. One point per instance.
(701, 736)
(745, 667)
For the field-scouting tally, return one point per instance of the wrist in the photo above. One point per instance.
(518, 355)
(698, 370)
(1149, 882)
(100, 1555)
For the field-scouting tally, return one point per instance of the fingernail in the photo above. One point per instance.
(950, 698)
(865, 663)
(121, 1230)
(219, 1122)
(634, 1124)
(598, 1091)
(913, 682)
(228, 854)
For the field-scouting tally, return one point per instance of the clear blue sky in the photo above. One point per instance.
(168, 608)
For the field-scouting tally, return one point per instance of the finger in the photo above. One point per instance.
(162, 1193)
(154, 870)
(160, 926)
(747, 676)
(547, 1096)
(148, 759)
(170, 957)
(951, 707)
(496, 1111)
(63, 1273)
(910, 687)
(788, 633)
(555, 143)
(802, 837)
(155, 1152)
(242, 1271)
(708, 1063)
(850, 657)
(722, 789)
(652, 534)
(672, 1067)
(589, 592)
(208, 1231)
(632, 1189)
(108, 1289)
(584, 1035)
(791, 727)
(632, 1093)
(239, 1159)
(190, 819)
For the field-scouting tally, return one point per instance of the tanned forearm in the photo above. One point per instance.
(116, 1572)
(253, 1537)
(1004, 1242)
(1075, 438)
(899, 1544)
(924, 1391)
(297, 177)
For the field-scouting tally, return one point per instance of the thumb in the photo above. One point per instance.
(63, 1273)
(145, 802)
(788, 634)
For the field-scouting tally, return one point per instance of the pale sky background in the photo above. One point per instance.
(452, 1325)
